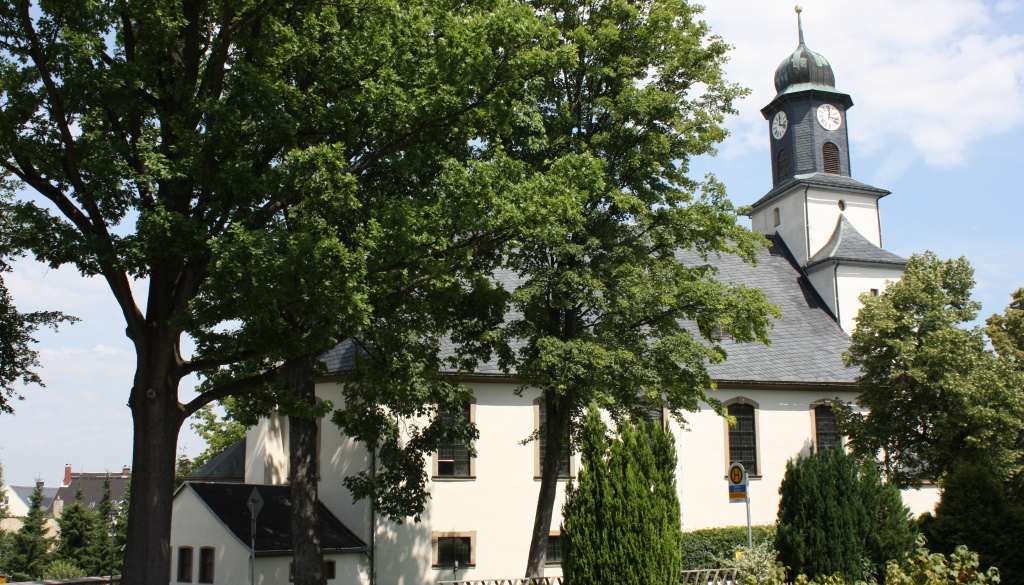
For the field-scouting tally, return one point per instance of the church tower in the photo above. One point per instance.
(828, 220)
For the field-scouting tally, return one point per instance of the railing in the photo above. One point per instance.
(696, 577)
(709, 577)
(515, 581)
(76, 581)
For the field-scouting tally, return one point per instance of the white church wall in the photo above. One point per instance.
(823, 214)
(193, 525)
(854, 280)
(824, 282)
(266, 451)
(791, 222)
(350, 568)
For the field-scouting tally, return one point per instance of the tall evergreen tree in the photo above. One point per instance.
(79, 530)
(622, 523)
(835, 514)
(30, 546)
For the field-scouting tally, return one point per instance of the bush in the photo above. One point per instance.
(837, 517)
(62, 569)
(925, 568)
(974, 511)
(704, 549)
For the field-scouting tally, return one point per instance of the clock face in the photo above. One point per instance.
(779, 125)
(828, 117)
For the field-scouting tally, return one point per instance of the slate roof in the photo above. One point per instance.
(806, 344)
(847, 244)
(91, 484)
(24, 493)
(228, 466)
(227, 501)
(821, 180)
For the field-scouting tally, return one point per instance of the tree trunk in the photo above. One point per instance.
(307, 553)
(555, 435)
(156, 419)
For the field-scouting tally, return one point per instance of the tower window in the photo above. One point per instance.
(782, 169)
(842, 205)
(830, 158)
(775, 216)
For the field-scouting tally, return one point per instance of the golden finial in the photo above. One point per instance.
(798, 9)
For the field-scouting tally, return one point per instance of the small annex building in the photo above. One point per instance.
(825, 251)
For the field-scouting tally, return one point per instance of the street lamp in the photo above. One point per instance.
(113, 524)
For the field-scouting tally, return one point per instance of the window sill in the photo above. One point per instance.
(456, 478)
(553, 564)
(450, 567)
(560, 478)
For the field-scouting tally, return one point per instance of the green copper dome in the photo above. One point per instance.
(804, 67)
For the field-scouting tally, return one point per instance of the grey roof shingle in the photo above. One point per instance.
(806, 345)
(821, 180)
(848, 244)
(228, 466)
(91, 484)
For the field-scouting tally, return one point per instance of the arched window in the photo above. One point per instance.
(776, 217)
(782, 168)
(830, 158)
(826, 433)
(743, 436)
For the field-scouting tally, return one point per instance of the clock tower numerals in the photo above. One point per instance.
(829, 117)
(780, 123)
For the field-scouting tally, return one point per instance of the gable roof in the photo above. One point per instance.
(227, 502)
(826, 180)
(24, 493)
(228, 466)
(92, 488)
(806, 344)
(847, 244)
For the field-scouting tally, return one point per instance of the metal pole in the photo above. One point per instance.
(252, 548)
(750, 535)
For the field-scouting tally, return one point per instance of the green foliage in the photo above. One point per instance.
(1006, 332)
(30, 546)
(974, 511)
(80, 528)
(837, 517)
(709, 547)
(934, 393)
(64, 569)
(759, 566)
(622, 522)
(921, 567)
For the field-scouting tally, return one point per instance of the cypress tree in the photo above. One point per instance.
(30, 546)
(622, 524)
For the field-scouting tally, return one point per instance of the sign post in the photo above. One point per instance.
(738, 494)
(255, 504)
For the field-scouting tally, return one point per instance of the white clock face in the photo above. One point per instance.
(779, 125)
(829, 117)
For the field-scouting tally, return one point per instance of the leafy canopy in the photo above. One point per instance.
(934, 393)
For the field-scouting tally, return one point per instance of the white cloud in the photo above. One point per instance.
(929, 77)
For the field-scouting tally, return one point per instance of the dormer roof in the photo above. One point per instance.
(848, 245)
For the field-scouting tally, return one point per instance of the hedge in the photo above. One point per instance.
(703, 548)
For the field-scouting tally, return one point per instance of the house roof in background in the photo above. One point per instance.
(24, 493)
(91, 485)
(227, 501)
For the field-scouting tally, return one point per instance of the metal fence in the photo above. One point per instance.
(515, 581)
(696, 577)
(77, 581)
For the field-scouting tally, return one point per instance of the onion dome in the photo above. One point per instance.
(804, 67)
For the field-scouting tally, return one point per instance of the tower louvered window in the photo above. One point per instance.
(830, 156)
(782, 168)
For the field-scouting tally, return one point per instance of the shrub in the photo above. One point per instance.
(925, 568)
(704, 549)
(62, 569)
(836, 517)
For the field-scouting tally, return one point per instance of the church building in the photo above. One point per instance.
(825, 251)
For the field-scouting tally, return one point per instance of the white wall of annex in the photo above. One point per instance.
(192, 524)
(823, 214)
(853, 280)
(350, 569)
(791, 222)
(823, 280)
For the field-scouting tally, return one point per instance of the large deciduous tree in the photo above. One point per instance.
(164, 139)
(934, 393)
(604, 296)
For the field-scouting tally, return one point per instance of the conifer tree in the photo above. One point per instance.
(622, 525)
(79, 529)
(30, 546)
(835, 514)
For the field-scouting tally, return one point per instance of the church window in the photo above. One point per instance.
(450, 548)
(184, 564)
(453, 459)
(826, 433)
(782, 169)
(775, 216)
(743, 436)
(830, 158)
(554, 550)
(541, 419)
(874, 292)
(206, 565)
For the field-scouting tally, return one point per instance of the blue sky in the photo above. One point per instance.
(938, 87)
